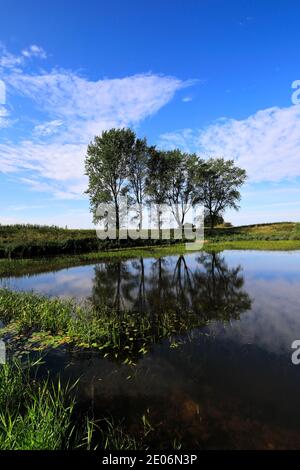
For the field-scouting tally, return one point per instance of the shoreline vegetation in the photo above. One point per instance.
(277, 236)
(37, 414)
(41, 414)
(33, 322)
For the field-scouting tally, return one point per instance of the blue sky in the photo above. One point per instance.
(213, 77)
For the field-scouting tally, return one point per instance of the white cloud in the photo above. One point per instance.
(76, 109)
(183, 139)
(4, 122)
(266, 144)
(47, 128)
(86, 106)
(34, 51)
(8, 60)
(187, 99)
(17, 61)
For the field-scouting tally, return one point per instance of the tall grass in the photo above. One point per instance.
(38, 415)
(35, 415)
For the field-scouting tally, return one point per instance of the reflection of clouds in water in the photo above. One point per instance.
(75, 282)
(266, 264)
(274, 320)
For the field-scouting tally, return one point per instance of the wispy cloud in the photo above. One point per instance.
(75, 109)
(85, 106)
(266, 144)
(187, 99)
(48, 128)
(34, 51)
(16, 61)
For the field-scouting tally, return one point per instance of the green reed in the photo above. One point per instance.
(36, 414)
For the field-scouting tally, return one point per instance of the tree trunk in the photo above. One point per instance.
(140, 218)
(159, 222)
(117, 219)
(212, 221)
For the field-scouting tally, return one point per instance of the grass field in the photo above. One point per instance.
(15, 234)
(31, 241)
(275, 231)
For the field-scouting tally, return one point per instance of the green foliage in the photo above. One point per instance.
(34, 415)
(208, 222)
(106, 166)
(181, 172)
(123, 335)
(117, 163)
(18, 267)
(137, 166)
(274, 231)
(218, 185)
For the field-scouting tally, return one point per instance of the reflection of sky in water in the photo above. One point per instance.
(272, 280)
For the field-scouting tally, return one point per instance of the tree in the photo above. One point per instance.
(137, 172)
(180, 191)
(106, 166)
(157, 181)
(219, 220)
(218, 185)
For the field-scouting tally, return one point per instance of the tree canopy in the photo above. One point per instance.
(218, 183)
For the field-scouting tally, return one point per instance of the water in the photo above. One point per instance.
(229, 381)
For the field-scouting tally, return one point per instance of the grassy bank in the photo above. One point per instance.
(261, 232)
(35, 414)
(16, 267)
(31, 241)
(281, 236)
(267, 245)
(26, 241)
(20, 267)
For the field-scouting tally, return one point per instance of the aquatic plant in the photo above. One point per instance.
(125, 335)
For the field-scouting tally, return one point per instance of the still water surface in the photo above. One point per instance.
(229, 381)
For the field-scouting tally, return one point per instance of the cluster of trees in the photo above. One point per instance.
(120, 164)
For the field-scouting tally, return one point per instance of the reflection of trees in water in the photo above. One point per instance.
(112, 285)
(207, 287)
(220, 288)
